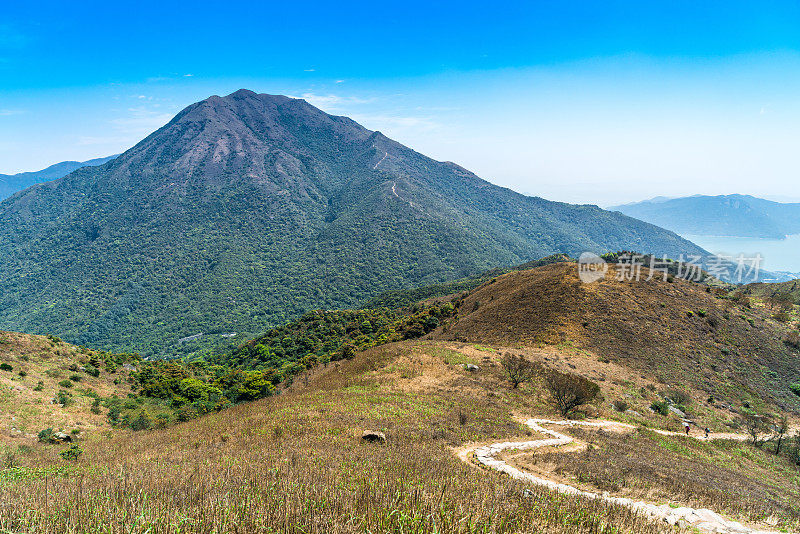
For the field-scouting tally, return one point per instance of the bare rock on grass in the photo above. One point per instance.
(373, 436)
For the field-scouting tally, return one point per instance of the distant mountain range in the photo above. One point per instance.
(12, 183)
(724, 215)
(248, 210)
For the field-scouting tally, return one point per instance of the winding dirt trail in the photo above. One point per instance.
(702, 519)
(385, 155)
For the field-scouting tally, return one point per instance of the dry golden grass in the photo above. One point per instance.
(25, 401)
(731, 477)
(676, 333)
(295, 463)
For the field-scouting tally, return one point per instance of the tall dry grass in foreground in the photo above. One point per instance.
(296, 464)
(731, 477)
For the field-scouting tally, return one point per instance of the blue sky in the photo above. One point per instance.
(596, 102)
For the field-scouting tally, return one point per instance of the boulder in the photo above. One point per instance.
(677, 411)
(373, 436)
(471, 367)
(61, 437)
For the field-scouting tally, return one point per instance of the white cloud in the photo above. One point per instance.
(141, 121)
(98, 140)
(333, 102)
(8, 112)
(382, 122)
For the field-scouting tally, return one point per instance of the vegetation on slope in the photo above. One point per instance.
(247, 211)
(681, 332)
(296, 462)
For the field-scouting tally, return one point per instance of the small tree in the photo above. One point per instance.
(518, 369)
(570, 391)
(780, 431)
(755, 425)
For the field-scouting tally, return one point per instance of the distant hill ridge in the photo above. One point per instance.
(247, 210)
(723, 215)
(12, 183)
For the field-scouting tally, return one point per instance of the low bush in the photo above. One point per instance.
(660, 407)
(72, 453)
(46, 435)
(6, 367)
(620, 406)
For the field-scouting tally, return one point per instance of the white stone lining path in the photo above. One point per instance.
(702, 519)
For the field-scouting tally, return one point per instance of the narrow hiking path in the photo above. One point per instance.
(385, 155)
(702, 519)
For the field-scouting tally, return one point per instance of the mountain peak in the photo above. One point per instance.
(250, 208)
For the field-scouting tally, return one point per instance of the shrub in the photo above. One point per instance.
(72, 453)
(46, 435)
(39, 386)
(5, 367)
(23, 374)
(570, 391)
(141, 421)
(755, 424)
(64, 398)
(660, 407)
(677, 396)
(91, 370)
(115, 415)
(186, 413)
(96, 406)
(75, 377)
(518, 369)
(620, 406)
(783, 316)
(66, 383)
(795, 388)
(348, 351)
(793, 339)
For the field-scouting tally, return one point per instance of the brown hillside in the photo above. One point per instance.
(678, 331)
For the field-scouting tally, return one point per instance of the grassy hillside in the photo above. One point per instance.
(46, 383)
(296, 462)
(773, 295)
(680, 332)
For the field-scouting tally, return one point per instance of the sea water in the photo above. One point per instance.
(778, 254)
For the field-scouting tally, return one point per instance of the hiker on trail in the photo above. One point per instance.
(686, 426)
(708, 432)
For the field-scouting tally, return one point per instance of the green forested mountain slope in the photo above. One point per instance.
(247, 210)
